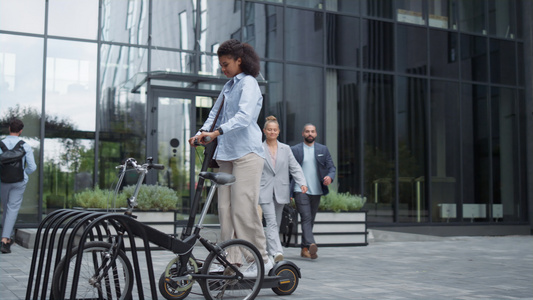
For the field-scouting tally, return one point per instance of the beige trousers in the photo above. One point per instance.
(237, 203)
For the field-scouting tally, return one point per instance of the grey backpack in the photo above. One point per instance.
(11, 167)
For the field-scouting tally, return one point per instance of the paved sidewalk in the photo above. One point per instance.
(435, 268)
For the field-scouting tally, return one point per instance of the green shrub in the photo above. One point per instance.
(150, 197)
(337, 202)
(154, 197)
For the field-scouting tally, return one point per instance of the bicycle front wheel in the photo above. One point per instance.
(99, 277)
(241, 254)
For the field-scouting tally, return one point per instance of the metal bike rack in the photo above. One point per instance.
(63, 230)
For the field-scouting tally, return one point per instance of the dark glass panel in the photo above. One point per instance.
(273, 99)
(343, 46)
(412, 133)
(304, 94)
(377, 8)
(442, 14)
(474, 58)
(506, 162)
(523, 145)
(125, 21)
(476, 161)
(264, 29)
(344, 6)
(502, 18)
(444, 53)
(410, 11)
(219, 21)
(502, 62)
(445, 132)
(21, 63)
(521, 67)
(318, 4)
(411, 53)
(379, 157)
(472, 16)
(377, 42)
(304, 35)
(349, 132)
(173, 24)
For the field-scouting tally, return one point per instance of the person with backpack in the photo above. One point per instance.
(16, 163)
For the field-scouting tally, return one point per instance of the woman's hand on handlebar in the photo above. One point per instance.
(203, 138)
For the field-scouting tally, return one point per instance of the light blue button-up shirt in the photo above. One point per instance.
(28, 160)
(238, 119)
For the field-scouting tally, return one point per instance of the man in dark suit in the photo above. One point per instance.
(319, 172)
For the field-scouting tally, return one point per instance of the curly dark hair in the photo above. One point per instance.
(236, 49)
(15, 126)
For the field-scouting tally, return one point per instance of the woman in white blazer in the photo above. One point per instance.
(275, 183)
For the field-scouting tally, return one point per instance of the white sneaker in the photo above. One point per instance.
(252, 270)
(269, 265)
(278, 257)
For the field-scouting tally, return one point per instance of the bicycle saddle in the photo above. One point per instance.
(219, 178)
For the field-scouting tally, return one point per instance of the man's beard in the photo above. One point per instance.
(309, 139)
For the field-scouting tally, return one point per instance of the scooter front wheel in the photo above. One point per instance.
(289, 279)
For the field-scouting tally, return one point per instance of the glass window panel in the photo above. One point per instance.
(173, 24)
(521, 67)
(22, 15)
(475, 128)
(220, 22)
(304, 90)
(522, 132)
(342, 40)
(502, 18)
(172, 61)
(122, 113)
(445, 144)
(273, 99)
(506, 162)
(344, 6)
(474, 58)
(264, 29)
(412, 51)
(442, 14)
(522, 7)
(377, 40)
(377, 8)
(410, 11)
(304, 35)
(411, 126)
(124, 21)
(444, 53)
(318, 4)
(349, 168)
(502, 62)
(21, 61)
(472, 16)
(65, 18)
(379, 157)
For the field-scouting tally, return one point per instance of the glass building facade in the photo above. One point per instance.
(424, 105)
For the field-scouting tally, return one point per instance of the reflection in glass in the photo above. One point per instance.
(377, 40)
(65, 18)
(173, 24)
(318, 4)
(442, 14)
(349, 132)
(379, 157)
(273, 103)
(344, 6)
(125, 21)
(445, 151)
(264, 29)
(412, 51)
(476, 160)
(502, 62)
(474, 58)
(377, 8)
(472, 16)
(304, 89)
(343, 40)
(410, 11)
(22, 16)
(411, 123)
(502, 18)
(219, 22)
(304, 35)
(444, 49)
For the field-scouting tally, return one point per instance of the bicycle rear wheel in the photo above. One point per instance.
(247, 259)
(116, 283)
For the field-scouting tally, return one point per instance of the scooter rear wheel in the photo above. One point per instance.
(289, 280)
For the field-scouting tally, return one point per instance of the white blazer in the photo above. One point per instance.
(275, 182)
